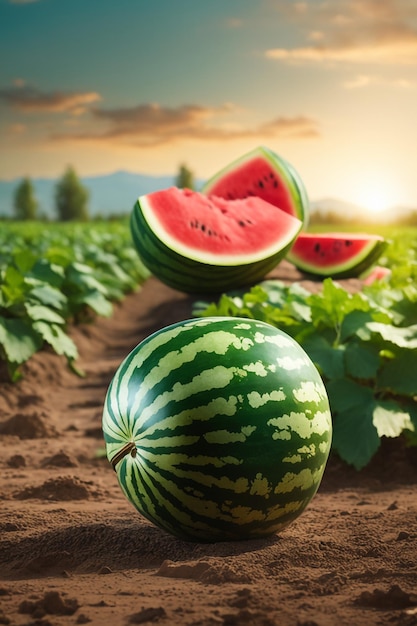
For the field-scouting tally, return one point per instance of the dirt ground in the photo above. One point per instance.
(74, 551)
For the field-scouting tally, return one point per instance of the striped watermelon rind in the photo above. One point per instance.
(218, 428)
(286, 172)
(184, 270)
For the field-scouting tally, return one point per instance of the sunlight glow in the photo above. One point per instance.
(377, 194)
(373, 200)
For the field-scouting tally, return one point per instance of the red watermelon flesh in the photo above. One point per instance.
(336, 254)
(261, 181)
(377, 273)
(216, 230)
(264, 174)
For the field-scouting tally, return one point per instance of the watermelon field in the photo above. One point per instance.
(75, 300)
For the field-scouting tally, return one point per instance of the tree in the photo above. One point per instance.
(25, 203)
(71, 198)
(185, 178)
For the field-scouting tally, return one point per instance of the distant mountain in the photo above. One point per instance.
(351, 211)
(110, 194)
(334, 205)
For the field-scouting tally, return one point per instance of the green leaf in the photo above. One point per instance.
(96, 301)
(355, 322)
(13, 288)
(272, 291)
(48, 295)
(355, 437)
(333, 303)
(257, 295)
(57, 338)
(19, 340)
(362, 360)
(301, 310)
(328, 359)
(24, 260)
(47, 272)
(12, 277)
(82, 277)
(39, 312)
(346, 394)
(390, 420)
(411, 436)
(404, 337)
(62, 255)
(399, 373)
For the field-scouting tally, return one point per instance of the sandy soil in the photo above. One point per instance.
(74, 551)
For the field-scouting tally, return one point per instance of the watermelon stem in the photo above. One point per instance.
(338, 329)
(129, 448)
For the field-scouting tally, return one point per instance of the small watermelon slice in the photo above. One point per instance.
(201, 244)
(264, 174)
(338, 255)
(376, 274)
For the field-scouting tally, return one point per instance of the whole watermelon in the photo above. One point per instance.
(218, 428)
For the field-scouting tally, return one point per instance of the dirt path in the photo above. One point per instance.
(74, 551)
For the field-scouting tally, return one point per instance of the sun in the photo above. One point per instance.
(374, 200)
(376, 194)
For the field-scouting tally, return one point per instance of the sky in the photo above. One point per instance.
(146, 85)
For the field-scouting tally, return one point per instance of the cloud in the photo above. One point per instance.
(150, 125)
(146, 124)
(352, 31)
(363, 80)
(393, 52)
(234, 22)
(27, 99)
(300, 126)
(16, 129)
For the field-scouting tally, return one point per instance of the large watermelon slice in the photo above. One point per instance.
(339, 255)
(264, 174)
(201, 244)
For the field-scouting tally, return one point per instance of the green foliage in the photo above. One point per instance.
(364, 345)
(56, 274)
(71, 198)
(185, 178)
(24, 202)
